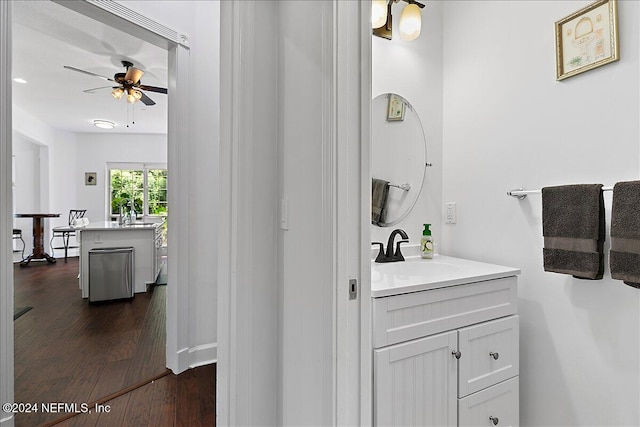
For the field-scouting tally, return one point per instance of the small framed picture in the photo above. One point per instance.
(395, 112)
(587, 39)
(90, 178)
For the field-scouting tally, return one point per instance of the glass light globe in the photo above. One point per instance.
(378, 13)
(410, 22)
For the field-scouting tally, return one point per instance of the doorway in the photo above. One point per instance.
(54, 50)
(112, 14)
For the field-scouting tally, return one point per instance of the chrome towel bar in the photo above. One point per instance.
(521, 193)
(405, 187)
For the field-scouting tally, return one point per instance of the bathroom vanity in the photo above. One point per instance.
(144, 238)
(445, 338)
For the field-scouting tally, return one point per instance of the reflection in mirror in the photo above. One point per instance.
(398, 159)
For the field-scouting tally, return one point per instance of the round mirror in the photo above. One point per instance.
(398, 159)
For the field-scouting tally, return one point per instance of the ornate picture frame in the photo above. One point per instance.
(587, 39)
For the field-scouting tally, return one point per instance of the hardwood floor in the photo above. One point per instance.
(71, 352)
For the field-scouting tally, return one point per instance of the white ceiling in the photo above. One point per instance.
(47, 36)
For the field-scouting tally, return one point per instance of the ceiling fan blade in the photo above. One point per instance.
(153, 89)
(133, 75)
(97, 88)
(146, 100)
(87, 72)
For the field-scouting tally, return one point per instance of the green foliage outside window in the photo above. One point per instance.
(128, 185)
(157, 188)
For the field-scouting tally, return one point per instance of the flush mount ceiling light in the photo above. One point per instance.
(410, 19)
(19, 80)
(104, 124)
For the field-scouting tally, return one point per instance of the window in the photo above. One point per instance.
(143, 184)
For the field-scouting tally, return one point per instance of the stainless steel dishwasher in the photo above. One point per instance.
(110, 274)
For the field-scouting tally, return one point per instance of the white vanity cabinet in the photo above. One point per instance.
(447, 356)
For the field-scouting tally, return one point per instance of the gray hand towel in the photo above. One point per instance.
(379, 193)
(573, 230)
(624, 258)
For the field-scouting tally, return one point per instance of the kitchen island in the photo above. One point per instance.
(144, 238)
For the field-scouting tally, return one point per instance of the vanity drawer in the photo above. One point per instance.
(497, 405)
(490, 354)
(405, 317)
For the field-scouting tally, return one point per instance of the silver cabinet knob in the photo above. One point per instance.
(456, 353)
(495, 356)
(494, 420)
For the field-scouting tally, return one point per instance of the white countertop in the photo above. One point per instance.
(417, 274)
(113, 225)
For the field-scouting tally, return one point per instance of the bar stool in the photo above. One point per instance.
(66, 231)
(17, 234)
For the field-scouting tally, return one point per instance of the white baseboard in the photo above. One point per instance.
(199, 355)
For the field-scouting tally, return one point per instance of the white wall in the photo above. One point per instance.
(50, 168)
(95, 150)
(26, 186)
(200, 21)
(50, 184)
(509, 124)
(414, 70)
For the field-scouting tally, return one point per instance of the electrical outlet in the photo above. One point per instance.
(450, 212)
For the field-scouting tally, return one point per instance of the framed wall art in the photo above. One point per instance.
(90, 178)
(587, 39)
(395, 112)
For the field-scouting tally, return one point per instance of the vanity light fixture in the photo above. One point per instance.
(410, 19)
(104, 124)
(19, 80)
(378, 13)
(410, 22)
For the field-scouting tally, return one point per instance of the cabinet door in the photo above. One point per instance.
(494, 406)
(489, 354)
(415, 383)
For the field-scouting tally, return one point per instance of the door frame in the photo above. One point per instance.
(177, 45)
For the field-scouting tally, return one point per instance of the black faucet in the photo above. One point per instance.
(390, 255)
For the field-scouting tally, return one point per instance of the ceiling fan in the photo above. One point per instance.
(128, 83)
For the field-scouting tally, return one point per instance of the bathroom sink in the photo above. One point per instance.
(417, 274)
(415, 268)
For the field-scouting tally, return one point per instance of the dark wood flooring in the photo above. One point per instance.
(71, 352)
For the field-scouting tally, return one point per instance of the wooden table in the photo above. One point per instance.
(38, 238)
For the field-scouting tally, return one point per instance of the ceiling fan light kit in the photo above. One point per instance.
(133, 95)
(129, 83)
(117, 92)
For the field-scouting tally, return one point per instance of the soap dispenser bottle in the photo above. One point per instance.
(426, 243)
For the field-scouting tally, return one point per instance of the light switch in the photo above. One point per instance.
(284, 213)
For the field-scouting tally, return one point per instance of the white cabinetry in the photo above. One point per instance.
(144, 239)
(447, 356)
